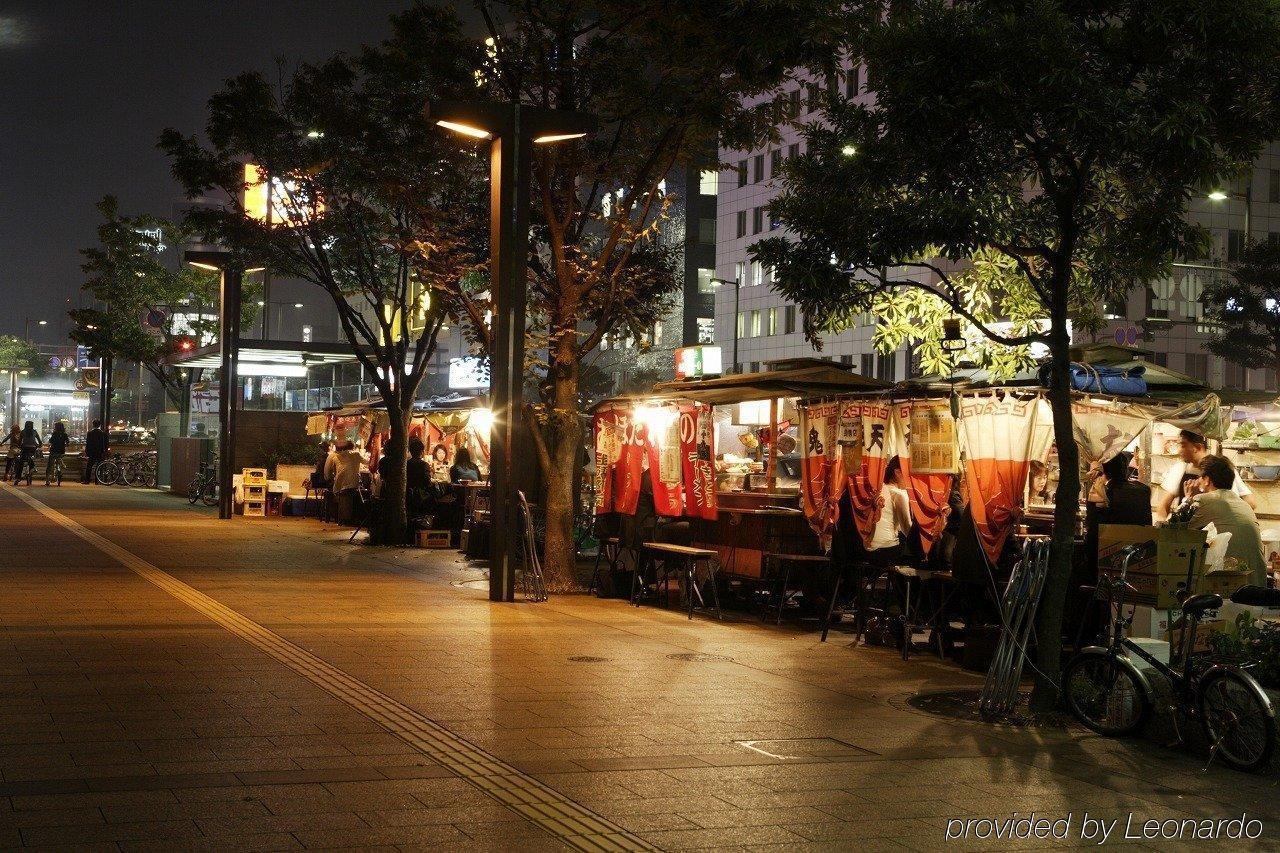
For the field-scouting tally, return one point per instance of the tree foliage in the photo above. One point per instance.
(369, 202)
(130, 280)
(17, 354)
(1243, 309)
(667, 82)
(1022, 158)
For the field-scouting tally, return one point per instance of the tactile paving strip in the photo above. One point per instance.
(571, 823)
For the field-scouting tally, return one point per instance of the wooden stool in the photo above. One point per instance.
(688, 559)
(611, 549)
(786, 562)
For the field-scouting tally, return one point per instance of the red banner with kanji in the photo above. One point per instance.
(928, 450)
(698, 453)
(821, 477)
(1000, 438)
(865, 448)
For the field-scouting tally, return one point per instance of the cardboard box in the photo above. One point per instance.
(1223, 583)
(1157, 578)
(1152, 622)
(1206, 627)
(433, 538)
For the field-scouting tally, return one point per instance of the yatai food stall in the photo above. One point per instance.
(722, 452)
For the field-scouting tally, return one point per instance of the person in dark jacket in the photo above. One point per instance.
(31, 444)
(1128, 501)
(95, 450)
(13, 447)
(58, 442)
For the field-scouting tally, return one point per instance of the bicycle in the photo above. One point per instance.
(1108, 693)
(204, 487)
(108, 471)
(54, 469)
(140, 469)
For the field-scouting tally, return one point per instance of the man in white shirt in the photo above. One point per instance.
(895, 517)
(1186, 471)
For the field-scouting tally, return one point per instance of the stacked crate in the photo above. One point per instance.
(253, 484)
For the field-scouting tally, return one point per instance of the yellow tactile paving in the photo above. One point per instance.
(568, 821)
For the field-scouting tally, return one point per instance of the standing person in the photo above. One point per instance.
(895, 518)
(1220, 505)
(318, 478)
(1179, 481)
(343, 470)
(57, 449)
(13, 446)
(95, 450)
(31, 444)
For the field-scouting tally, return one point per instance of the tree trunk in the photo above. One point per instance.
(1065, 514)
(560, 557)
(393, 521)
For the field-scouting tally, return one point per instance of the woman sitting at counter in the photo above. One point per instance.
(1123, 500)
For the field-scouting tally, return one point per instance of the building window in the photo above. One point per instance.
(793, 101)
(708, 180)
(887, 367)
(706, 283)
(758, 169)
(775, 162)
(742, 173)
(707, 231)
(793, 150)
(789, 320)
(851, 82)
(754, 367)
(757, 220)
(742, 324)
(1198, 366)
(706, 330)
(1234, 377)
(757, 274)
(771, 322)
(755, 323)
(1161, 359)
(740, 273)
(1235, 245)
(1161, 296)
(846, 360)
(868, 364)
(742, 223)
(1273, 188)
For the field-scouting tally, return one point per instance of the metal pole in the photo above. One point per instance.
(509, 257)
(229, 343)
(1248, 209)
(737, 291)
(13, 395)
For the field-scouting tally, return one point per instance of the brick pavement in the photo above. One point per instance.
(131, 720)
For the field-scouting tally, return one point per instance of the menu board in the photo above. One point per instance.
(933, 438)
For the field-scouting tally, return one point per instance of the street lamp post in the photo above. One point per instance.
(229, 345)
(737, 292)
(1246, 197)
(27, 327)
(511, 129)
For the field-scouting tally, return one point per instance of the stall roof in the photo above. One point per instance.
(308, 353)
(812, 377)
(446, 403)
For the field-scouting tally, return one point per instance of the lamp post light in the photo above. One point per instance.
(1246, 197)
(737, 292)
(232, 279)
(512, 130)
(27, 327)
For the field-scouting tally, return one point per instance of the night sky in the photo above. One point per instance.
(87, 87)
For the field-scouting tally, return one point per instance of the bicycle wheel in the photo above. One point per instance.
(107, 473)
(1105, 693)
(193, 491)
(1238, 725)
(135, 474)
(209, 494)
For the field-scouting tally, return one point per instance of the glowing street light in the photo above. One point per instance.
(512, 130)
(1220, 195)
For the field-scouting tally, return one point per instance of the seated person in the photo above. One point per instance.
(895, 518)
(319, 480)
(1124, 500)
(1220, 504)
(440, 464)
(463, 469)
(417, 475)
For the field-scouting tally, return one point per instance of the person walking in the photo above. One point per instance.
(95, 450)
(58, 442)
(31, 442)
(13, 446)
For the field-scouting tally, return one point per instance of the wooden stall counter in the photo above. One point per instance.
(752, 524)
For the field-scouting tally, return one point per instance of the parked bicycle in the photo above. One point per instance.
(204, 486)
(1107, 692)
(136, 469)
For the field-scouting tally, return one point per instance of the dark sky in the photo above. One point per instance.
(86, 86)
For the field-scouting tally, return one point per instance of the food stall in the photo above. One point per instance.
(726, 451)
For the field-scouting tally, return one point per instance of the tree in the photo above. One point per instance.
(1034, 155)
(367, 201)
(17, 354)
(150, 311)
(666, 80)
(1243, 309)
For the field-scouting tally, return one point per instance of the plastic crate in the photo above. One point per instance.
(257, 509)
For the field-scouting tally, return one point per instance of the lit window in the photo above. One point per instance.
(755, 323)
(772, 322)
(706, 330)
(757, 274)
(705, 283)
(707, 182)
(740, 273)
(742, 324)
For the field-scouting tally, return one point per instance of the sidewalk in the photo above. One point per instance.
(234, 685)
